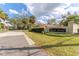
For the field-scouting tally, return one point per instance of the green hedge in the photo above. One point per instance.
(38, 30)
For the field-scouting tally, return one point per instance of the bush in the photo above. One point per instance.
(38, 30)
(11, 28)
(1, 25)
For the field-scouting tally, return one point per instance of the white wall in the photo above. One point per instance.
(72, 27)
(75, 28)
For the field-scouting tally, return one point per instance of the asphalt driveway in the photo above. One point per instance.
(15, 43)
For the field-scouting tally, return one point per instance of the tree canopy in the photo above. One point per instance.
(3, 15)
(52, 21)
(73, 17)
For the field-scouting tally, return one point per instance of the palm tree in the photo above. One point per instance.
(3, 15)
(32, 19)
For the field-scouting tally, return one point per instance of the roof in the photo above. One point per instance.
(56, 26)
(52, 26)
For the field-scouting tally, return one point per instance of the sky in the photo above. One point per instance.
(13, 9)
(42, 11)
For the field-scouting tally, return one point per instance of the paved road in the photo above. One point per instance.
(14, 43)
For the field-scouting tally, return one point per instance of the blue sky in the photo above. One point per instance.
(43, 11)
(13, 9)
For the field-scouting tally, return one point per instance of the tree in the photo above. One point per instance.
(14, 22)
(73, 17)
(25, 23)
(3, 15)
(68, 13)
(32, 19)
(21, 22)
(52, 21)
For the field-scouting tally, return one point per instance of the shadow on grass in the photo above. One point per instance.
(59, 45)
(29, 53)
(44, 46)
(59, 34)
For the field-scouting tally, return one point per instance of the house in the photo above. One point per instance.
(6, 23)
(54, 27)
(72, 28)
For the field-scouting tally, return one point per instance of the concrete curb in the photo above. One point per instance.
(29, 40)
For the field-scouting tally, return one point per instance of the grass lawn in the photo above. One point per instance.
(57, 44)
(1, 30)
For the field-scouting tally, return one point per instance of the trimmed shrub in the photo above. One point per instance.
(38, 30)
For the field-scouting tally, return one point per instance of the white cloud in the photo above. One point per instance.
(44, 19)
(43, 11)
(13, 11)
(23, 12)
(39, 9)
(46, 10)
(2, 3)
(59, 10)
(29, 7)
(41, 22)
(73, 9)
(47, 17)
